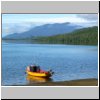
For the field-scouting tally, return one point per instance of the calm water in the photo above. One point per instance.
(69, 62)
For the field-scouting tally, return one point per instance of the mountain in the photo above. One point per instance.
(45, 30)
(84, 36)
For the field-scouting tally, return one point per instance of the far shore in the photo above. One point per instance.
(80, 82)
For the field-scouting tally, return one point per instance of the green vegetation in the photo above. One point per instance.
(85, 36)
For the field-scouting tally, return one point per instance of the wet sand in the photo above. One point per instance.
(81, 82)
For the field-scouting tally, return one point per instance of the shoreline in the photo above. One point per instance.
(79, 82)
(30, 42)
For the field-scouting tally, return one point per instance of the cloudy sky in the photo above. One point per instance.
(17, 23)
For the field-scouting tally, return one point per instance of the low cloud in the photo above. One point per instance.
(93, 17)
(10, 28)
(18, 25)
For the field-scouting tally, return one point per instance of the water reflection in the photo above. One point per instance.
(32, 79)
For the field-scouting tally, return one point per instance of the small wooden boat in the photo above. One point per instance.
(39, 73)
(32, 79)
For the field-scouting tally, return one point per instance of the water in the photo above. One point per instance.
(69, 62)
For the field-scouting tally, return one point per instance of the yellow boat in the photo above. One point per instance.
(39, 74)
(32, 79)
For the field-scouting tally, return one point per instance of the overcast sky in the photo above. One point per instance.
(17, 23)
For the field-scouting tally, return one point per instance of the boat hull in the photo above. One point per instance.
(38, 74)
(32, 79)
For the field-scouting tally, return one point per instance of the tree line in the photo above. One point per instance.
(85, 36)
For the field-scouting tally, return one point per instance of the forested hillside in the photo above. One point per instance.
(85, 36)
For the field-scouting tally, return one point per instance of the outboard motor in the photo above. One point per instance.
(51, 72)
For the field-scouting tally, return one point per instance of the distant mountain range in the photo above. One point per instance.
(45, 30)
(84, 36)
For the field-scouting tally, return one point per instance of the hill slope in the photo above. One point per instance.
(85, 36)
(45, 30)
